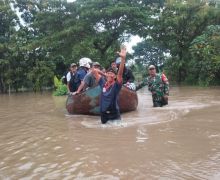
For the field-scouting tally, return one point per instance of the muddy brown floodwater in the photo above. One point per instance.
(39, 140)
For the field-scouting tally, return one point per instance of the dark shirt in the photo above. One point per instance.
(78, 77)
(109, 97)
(90, 80)
(127, 76)
(81, 73)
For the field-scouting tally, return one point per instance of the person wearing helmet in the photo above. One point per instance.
(111, 87)
(128, 77)
(89, 80)
(84, 65)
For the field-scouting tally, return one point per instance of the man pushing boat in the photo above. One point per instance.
(111, 86)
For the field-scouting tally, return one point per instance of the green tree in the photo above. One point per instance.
(8, 21)
(109, 21)
(41, 72)
(204, 68)
(149, 52)
(92, 28)
(177, 26)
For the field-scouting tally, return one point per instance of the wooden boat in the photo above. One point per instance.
(88, 102)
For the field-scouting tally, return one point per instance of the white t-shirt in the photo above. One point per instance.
(68, 76)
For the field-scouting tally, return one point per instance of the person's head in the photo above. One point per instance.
(103, 69)
(85, 62)
(152, 70)
(113, 65)
(96, 65)
(73, 67)
(110, 75)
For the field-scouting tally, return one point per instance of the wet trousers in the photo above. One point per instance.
(159, 101)
(110, 115)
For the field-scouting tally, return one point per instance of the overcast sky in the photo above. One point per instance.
(133, 41)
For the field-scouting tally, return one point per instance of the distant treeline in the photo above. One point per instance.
(39, 39)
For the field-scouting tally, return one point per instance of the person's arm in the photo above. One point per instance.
(97, 73)
(68, 77)
(166, 84)
(122, 54)
(68, 87)
(141, 84)
(101, 73)
(80, 76)
(81, 86)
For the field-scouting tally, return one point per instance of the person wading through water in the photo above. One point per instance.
(111, 87)
(158, 85)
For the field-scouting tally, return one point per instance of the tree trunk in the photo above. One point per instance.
(179, 76)
(2, 85)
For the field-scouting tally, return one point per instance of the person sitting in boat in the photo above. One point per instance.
(114, 66)
(111, 87)
(158, 85)
(89, 80)
(128, 77)
(81, 72)
(70, 77)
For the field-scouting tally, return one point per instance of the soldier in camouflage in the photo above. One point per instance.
(158, 85)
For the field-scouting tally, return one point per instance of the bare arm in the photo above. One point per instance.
(96, 73)
(68, 87)
(101, 73)
(166, 84)
(81, 86)
(122, 54)
(68, 78)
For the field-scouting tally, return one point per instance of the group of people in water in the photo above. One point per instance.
(111, 81)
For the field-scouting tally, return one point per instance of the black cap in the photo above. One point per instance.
(111, 70)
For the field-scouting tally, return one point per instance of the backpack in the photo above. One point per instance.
(73, 82)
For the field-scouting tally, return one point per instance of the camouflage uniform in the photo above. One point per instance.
(159, 87)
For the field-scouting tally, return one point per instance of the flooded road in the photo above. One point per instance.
(39, 140)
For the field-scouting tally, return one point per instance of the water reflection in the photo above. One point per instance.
(39, 140)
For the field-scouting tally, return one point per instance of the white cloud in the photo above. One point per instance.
(132, 42)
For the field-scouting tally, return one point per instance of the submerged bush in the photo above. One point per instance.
(61, 88)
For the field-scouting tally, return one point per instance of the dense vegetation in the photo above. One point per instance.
(182, 37)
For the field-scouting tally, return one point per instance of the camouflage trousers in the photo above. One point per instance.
(159, 101)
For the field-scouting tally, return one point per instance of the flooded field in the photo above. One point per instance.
(40, 140)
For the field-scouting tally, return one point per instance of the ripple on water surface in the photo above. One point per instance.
(178, 141)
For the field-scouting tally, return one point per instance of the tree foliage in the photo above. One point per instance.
(8, 21)
(205, 64)
(150, 52)
(177, 26)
